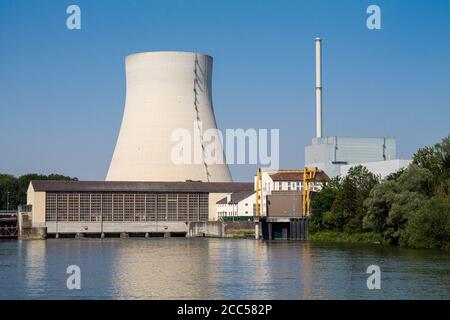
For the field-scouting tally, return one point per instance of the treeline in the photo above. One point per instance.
(409, 208)
(13, 190)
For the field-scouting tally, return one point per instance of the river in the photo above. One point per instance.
(178, 268)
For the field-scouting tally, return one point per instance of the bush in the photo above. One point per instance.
(238, 218)
(344, 237)
(430, 227)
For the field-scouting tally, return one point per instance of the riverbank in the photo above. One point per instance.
(343, 237)
(239, 229)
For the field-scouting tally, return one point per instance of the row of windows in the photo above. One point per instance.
(288, 185)
(85, 206)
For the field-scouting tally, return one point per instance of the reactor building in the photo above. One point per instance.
(167, 93)
(336, 155)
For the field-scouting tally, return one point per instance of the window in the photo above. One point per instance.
(50, 205)
(139, 207)
(172, 204)
(85, 207)
(118, 207)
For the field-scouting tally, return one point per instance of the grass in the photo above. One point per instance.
(241, 233)
(343, 237)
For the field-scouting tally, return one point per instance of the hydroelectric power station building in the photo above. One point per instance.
(107, 207)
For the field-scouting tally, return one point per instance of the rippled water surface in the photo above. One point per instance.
(181, 268)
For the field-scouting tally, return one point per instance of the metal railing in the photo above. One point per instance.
(25, 208)
(8, 213)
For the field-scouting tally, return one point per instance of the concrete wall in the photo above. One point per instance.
(206, 229)
(37, 200)
(245, 206)
(285, 204)
(238, 225)
(212, 205)
(380, 168)
(347, 150)
(116, 227)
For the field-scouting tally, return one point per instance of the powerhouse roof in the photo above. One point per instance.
(236, 197)
(297, 176)
(154, 186)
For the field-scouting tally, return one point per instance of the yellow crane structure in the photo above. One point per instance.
(309, 174)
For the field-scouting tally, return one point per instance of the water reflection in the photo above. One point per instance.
(34, 268)
(217, 269)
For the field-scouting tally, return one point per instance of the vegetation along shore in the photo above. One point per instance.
(410, 208)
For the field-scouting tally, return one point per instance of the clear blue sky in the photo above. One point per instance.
(62, 92)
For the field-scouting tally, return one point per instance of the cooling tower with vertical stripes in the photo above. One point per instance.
(165, 91)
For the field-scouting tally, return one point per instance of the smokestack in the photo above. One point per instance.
(318, 88)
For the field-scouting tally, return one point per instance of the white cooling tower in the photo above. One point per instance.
(166, 91)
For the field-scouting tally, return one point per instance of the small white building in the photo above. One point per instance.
(237, 204)
(379, 168)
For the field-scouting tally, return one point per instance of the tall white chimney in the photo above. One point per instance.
(318, 88)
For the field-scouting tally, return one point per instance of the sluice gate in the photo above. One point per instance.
(8, 224)
(284, 229)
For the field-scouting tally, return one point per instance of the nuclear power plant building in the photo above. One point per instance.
(151, 185)
(332, 153)
(336, 155)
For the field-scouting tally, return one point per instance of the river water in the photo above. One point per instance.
(202, 268)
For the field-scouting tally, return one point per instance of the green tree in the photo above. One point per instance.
(443, 155)
(395, 175)
(404, 206)
(426, 158)
(393, 202)
(437, 160)
(8, 192)
(23, 183)
(348, 208)
(416, 179)
(15, 189)
(378, 205)
(321, 203)
(430, 227)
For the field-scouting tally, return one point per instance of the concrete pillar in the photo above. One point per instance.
(257, 230)
(302, 229)
(306, 222)
(39, 233)
(291, 230)
(147, 235)
(284, 233)
(294, 229)
(79, 235)
(57, 236)
(124, 235)
(269, 231)
(299, 229)
(167, 235)
(102, 235)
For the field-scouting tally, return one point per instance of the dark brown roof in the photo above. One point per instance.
(297, 176)
(236, 197)
(123, 186)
